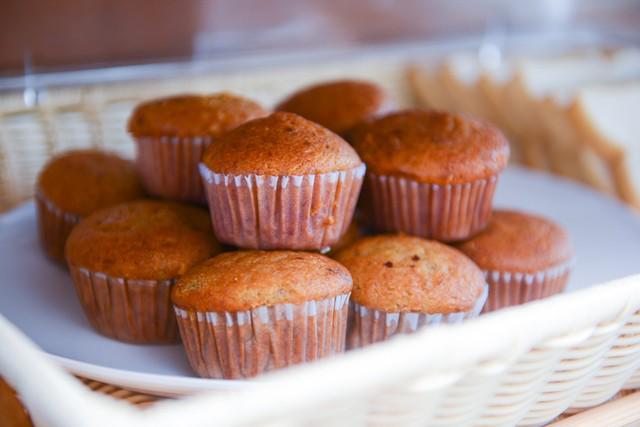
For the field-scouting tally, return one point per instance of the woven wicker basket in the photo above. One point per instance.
(520, 366)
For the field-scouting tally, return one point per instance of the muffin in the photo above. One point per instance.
(431, 174)
(172, 133)
(281, 182)
(401, 283)
(247, 312)
(75, 184)
(125, 259)
(524, 257)
(338, 105)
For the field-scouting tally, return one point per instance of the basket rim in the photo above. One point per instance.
(489, 341)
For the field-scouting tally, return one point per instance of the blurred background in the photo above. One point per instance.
(50, 35)
(72, 71)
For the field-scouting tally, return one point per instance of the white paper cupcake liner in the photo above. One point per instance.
(136, 311)
(168, 166)
(54, 226)
(513, 288)
(247, 343)
(369, 325)
(306, 212)
(448, 212)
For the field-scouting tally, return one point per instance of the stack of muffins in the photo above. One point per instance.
(277, 272)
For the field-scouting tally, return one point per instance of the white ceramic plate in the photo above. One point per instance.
(37, 295)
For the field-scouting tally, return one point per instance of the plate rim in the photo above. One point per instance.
(148, 383)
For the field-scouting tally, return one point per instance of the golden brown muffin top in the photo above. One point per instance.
(192, 115)
(280, 144)
(519, 242)
(432, 146)
(399, 273)
(242, 280)
(83, 181)
(337, 105)
(144, 239)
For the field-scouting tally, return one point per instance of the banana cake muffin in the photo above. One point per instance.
(247, 312)
(172, 133)
(281, 182)
(338, 105)
(524, 257)
(430, 173)
(401, 283)
(75, 184)
(124, 260)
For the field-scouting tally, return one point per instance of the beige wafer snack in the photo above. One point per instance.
(428, 88)
(463, 75)
(608, 118)
(569, 155)
(496, 84)
(459, 74)
(530, 79)
(515, 99)
(565, 151)
(538, 78)
(579, 159)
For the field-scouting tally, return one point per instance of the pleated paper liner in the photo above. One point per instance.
(369, 325)
(306, 212)
(168, 166)
(136, 311)
(247, 343)
(448, 212)
(54, 226)
(509, 288)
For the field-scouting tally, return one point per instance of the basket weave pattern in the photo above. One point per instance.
(572, 372)
(30, 136)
